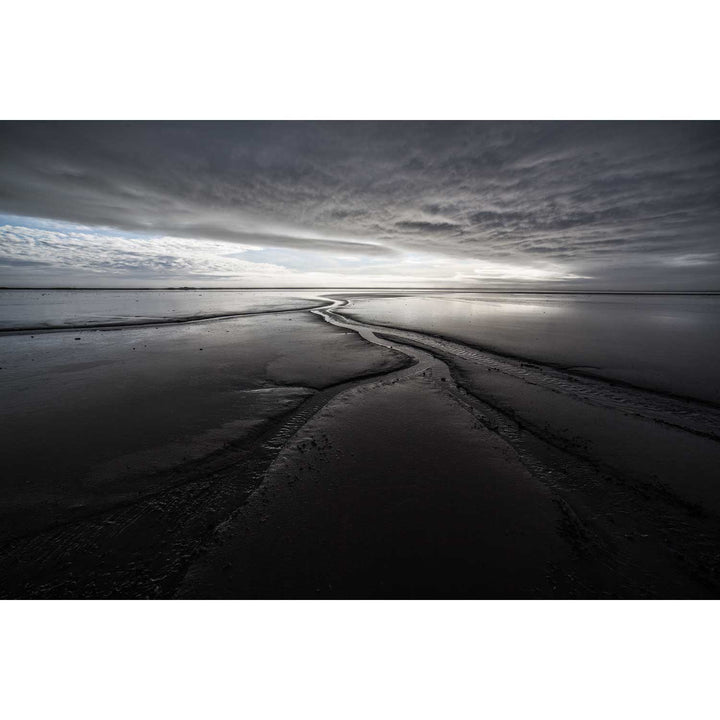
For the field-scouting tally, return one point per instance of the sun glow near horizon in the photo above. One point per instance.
(49, 251)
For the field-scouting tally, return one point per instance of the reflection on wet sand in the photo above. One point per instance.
(414, 445)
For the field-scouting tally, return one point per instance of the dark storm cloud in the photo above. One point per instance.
(619, 202)
(427, 227)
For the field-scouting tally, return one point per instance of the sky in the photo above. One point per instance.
(486, 205)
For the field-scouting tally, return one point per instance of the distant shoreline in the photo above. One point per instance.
(394, 289)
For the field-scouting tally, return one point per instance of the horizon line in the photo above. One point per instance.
(365, 287)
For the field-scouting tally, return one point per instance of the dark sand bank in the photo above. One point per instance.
(393, 490)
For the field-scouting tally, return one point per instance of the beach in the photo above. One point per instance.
(346, 444)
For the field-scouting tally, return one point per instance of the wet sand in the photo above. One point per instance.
(36, 310)
(474, 475)
(93, 417)
(379, 463)
(394, 490)
(665, 343)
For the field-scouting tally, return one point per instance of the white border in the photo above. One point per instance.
(144, 59)
(355, 660)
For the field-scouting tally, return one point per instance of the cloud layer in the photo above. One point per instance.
(603, 205)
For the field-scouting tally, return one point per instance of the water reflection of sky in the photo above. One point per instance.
(666, 341)
(515, 305)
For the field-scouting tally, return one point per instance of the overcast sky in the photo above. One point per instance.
(616, 206)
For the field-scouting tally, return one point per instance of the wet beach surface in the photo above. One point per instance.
(314, 453)
(659, 342)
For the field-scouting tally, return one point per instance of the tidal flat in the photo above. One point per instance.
(359, 444)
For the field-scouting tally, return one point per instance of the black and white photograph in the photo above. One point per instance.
(354, 345)
(286, 360)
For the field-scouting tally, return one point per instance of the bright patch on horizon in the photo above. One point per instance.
(522, 273)
(60, 253)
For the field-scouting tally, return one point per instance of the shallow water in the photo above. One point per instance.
(43, 308)
(668, 343)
